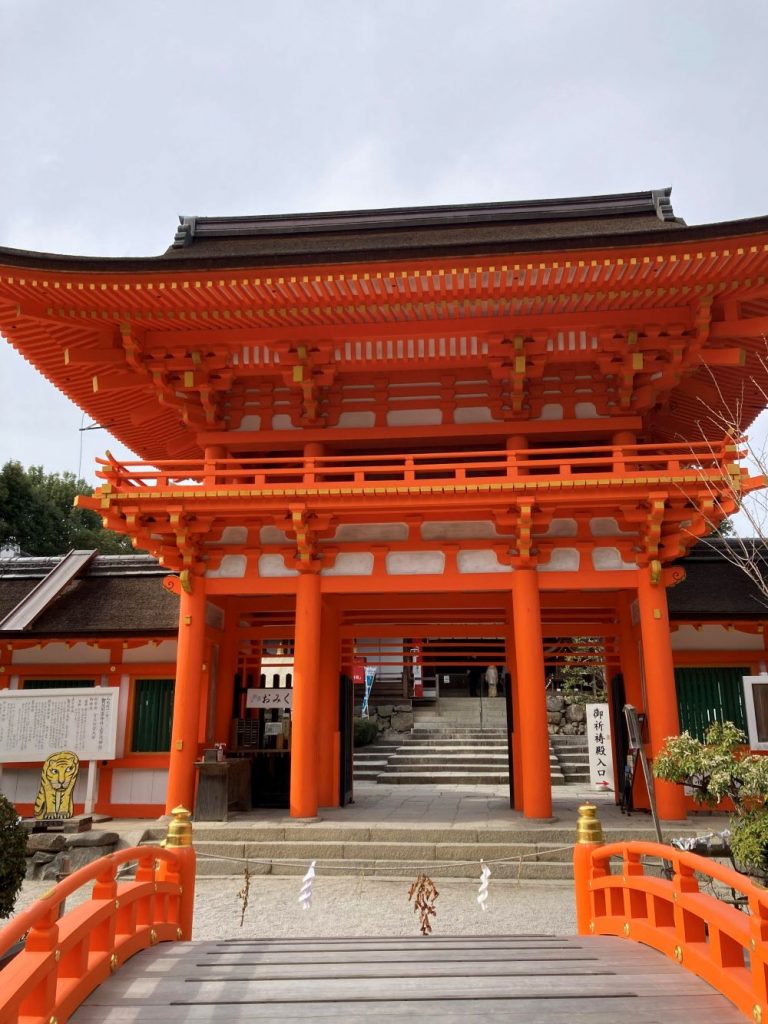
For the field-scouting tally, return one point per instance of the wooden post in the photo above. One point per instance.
(514, 703)
(589, 836)
(660, 689)
(328, 716)
(304, 714)
(534, 735)
(225, 677)
(187, 695)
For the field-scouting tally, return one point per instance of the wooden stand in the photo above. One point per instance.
(223, 786)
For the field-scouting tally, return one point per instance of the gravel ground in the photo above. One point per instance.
(355, 906)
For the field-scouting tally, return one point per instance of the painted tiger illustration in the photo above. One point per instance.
(57, 783)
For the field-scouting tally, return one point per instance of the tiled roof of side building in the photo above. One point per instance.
(715, 587)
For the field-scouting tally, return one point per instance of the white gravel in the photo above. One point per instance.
(355, 906)
(363, 906)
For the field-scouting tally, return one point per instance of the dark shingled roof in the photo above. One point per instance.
(414, 232)
(117, 594)
(716, 588)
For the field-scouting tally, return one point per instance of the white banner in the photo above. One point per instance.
(600, 747)
(276, 697)
(36, 723)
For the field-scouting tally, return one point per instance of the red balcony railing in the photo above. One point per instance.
(676, 463)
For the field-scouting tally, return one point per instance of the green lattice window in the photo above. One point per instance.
(710, 694)
(152, 716)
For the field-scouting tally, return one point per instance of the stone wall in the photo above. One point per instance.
(392, 719)
(565, 716)
(52, 853)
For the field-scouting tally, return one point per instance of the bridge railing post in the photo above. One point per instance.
(589, 837)
(179, 839)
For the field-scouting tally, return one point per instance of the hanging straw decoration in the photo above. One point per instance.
(423, 892)
(305, 896)
(482, 894)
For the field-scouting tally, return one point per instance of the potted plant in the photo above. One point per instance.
(719, 769)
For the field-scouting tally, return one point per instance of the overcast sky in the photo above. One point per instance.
(118, 115)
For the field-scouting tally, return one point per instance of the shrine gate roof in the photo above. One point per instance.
(631, 218)
(152, 347)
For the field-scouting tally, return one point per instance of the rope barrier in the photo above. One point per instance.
(358, 861)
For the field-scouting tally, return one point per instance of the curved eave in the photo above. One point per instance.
(48, 303)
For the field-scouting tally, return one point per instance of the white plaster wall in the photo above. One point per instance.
(251, 422)
(562, 528)
(231, 567)
(473, 414)
(272, 535)
(60, 654)
(712, 637)
(415, 563)
(357, 419)
(274, 565)
(606, 559)
(414, 417)
(139, 786)
(562, 560)
(165, 651)
(480, 561)
(20, 785)
(371, 532)
(282, 421)
(350, 563)
(477, 529)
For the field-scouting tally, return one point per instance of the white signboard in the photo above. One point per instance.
(36, 723)
(600, 747)
(276, 697)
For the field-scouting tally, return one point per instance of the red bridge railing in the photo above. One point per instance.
(681, 462)
(724, 945)
(65, 958)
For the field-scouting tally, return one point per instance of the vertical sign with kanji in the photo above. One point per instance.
(600, 747)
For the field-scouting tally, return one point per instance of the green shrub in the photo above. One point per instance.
(749, 843)
(366, 731)
(13, 862)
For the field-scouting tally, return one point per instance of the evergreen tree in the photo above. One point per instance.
(38, 516)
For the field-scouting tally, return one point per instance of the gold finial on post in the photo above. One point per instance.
(179, 828)
(588, 827)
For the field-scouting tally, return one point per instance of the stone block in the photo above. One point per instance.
(402, 721)
(553, 717)
(45, 841)
(384, 710)
(555, 703)
(93, 839)
(42, 857)
(576, 713)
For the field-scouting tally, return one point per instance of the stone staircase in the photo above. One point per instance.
(535, 852)
(438, 752)
(573, 755)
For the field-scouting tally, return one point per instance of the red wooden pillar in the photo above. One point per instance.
(187, 697)
(660, 689)
(534, 735)
(306, 693)
(328, 717)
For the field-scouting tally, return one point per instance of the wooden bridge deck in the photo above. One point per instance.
(536, 979)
